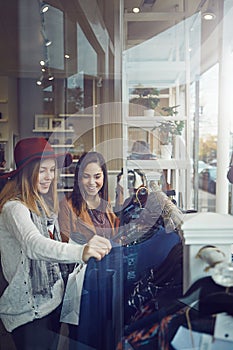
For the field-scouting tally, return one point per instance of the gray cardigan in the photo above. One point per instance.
(21, 241)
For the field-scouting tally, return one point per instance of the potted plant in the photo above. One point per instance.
(147, 97)
(167, 129)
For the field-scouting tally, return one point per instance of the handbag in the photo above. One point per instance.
(72, 298)
(230, 171)
(230, 175)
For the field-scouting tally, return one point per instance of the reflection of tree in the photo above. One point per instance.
(208, 148)
(75, 100)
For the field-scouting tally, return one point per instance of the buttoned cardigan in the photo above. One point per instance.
(21, 241)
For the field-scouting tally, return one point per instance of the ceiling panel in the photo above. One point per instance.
(158, 52)
(21, 40)
(152, 20)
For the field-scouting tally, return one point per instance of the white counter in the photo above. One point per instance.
(201, 229)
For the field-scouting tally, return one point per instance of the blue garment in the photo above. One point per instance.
(101, 322)
(149, 253)
(101, 318)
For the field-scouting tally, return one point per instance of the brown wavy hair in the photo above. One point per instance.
(77, 195)
(23, 187)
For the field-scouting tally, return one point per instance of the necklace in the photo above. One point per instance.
(97, 216)
(100, 220)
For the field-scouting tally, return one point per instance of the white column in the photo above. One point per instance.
(225, 112)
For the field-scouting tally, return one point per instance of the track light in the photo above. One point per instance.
(48, 42)
(50, 77)
(39, 81)
(99, 83)
(136, 10)
(209, 14)
(44, 7)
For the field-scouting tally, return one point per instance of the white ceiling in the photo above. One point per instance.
(153, 28)
(164, 42)
(162, 14)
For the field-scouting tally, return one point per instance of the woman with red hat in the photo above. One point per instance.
(33, 257)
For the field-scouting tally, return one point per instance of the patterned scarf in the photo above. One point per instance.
(44, 274)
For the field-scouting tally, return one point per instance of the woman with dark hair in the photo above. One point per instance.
(78, 193)
(112, 287)
(87, 211)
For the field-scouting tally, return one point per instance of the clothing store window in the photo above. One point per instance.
(87, 56)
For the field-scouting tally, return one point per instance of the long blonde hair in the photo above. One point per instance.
(24, 188)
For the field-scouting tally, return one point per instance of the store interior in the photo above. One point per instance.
(83, 76)
(129, 79)
(104, 63)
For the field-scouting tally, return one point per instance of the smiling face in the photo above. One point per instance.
(92, 179)
(46, 175)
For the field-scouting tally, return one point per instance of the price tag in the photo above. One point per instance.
(224, 327)
(206, 342)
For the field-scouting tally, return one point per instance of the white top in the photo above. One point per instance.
(21, 241)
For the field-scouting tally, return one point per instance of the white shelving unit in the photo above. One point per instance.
(160, 63)
(3, 130)
(176, 169)
(173, 173)
(8, 120)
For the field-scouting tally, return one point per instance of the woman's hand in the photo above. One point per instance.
(97, 248)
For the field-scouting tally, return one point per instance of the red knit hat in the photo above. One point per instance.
(33, 148)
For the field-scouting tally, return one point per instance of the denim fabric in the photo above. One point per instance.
(101, 322)
(149, 253)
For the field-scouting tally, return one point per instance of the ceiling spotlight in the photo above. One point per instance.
(99, 82)
(67, 56)
(48, 42)
(39, 81)
(50, 77)
(136, 10)
(44, 7)
(208, 15)
(42, 63)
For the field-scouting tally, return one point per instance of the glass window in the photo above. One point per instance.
(87, 56)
